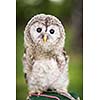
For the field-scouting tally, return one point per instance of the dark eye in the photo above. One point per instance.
(52, 31)
(39, 30)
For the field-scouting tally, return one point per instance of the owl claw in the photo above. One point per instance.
(32, 93)
(28, 98)
(39, 93)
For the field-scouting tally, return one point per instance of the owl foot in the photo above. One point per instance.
(28, 98)
(38, 92)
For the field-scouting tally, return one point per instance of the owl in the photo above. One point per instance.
(45, 60)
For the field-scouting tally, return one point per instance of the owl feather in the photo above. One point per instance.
(45, 61)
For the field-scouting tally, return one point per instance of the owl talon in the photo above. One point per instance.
(28, 98)
(30, 93)
(39, 94)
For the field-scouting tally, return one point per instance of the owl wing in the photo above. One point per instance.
(62, 59)
(28, 61)
(65, 56)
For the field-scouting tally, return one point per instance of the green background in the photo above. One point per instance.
(70, 13)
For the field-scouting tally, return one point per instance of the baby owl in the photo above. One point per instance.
(45, 61)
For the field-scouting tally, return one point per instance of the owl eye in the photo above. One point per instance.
(52, 31)
(39, 30)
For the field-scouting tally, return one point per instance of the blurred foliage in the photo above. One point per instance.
(70, 13)
(25, 10)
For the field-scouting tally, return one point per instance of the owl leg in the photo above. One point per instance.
(38, 92)
(32, 93)
(65, 93)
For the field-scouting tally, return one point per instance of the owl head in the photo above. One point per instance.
(45, 31)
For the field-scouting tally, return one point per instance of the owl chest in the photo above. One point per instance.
(45, 69)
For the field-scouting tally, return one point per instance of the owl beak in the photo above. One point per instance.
(45, 38)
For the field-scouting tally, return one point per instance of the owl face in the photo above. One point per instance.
(44, 35)
(45, 31)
